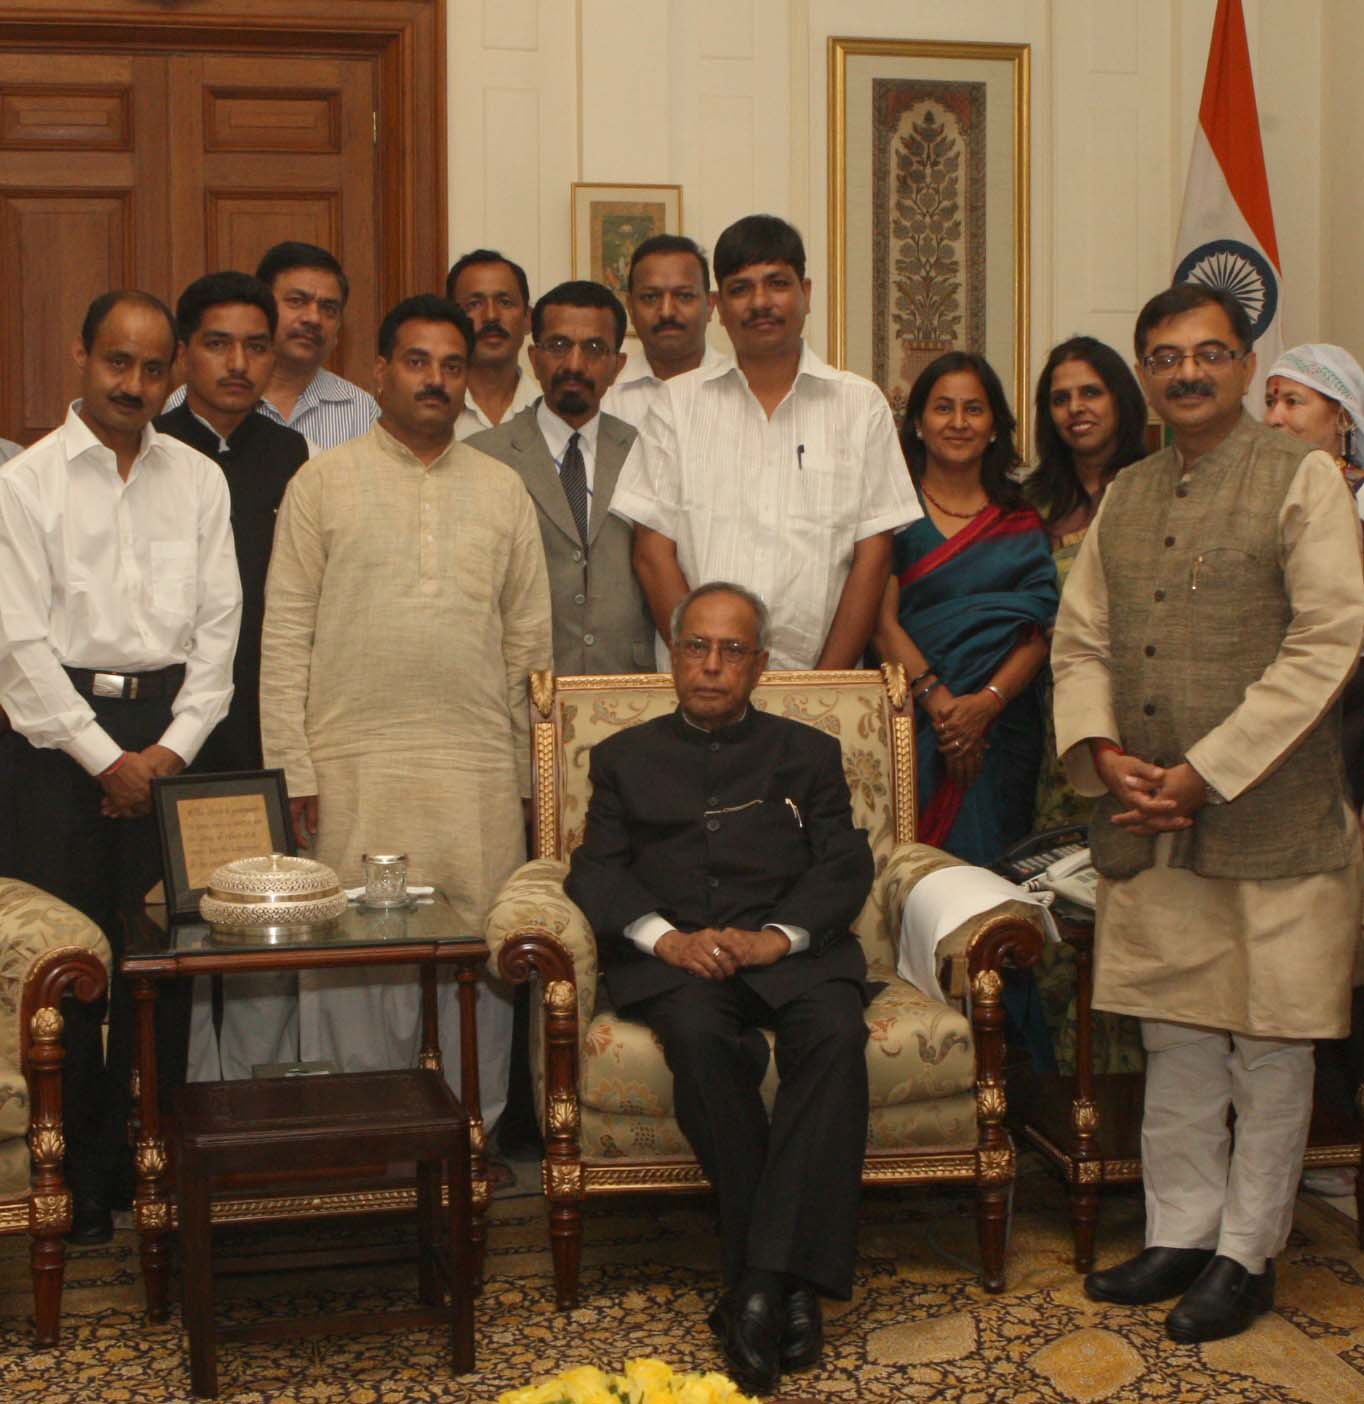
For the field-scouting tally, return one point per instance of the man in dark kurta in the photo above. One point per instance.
(721, 872)
(227, 326)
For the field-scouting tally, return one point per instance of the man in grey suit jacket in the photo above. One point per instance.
(570, 455)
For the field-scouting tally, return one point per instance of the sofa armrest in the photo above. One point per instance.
(532, 904)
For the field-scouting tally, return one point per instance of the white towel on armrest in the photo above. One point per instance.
(941, 902)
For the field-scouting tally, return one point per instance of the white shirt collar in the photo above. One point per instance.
(78, 438)
(557, 433)
(640, 372)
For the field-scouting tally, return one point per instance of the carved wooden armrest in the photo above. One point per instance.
(532, 904)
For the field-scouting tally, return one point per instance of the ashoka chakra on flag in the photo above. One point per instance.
(1239, 269)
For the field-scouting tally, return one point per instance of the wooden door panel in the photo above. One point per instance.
(59, 252)
(241, 224)
(282, 149)
(83, 152)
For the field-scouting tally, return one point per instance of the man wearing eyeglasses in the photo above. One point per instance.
(1209, 624)
(722, 873)
(570, 455)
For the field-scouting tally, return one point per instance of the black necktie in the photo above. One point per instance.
(573, 475)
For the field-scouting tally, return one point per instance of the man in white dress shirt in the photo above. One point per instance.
(778, 472)
(311, 290)
(119, 610)
(494, 294)
(670, 304)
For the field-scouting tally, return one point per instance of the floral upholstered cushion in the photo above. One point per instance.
(32, 923)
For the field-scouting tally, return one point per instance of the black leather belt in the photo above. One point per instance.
(128, 687)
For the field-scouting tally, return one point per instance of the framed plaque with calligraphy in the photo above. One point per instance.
(208, 820)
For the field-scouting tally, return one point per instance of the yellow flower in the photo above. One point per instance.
(547, 1393)
(585, 1384)
(649, 1381)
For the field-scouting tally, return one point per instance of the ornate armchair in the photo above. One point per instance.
(603, 1090)
(46, 948)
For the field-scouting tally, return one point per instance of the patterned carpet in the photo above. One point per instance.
(918, 1327)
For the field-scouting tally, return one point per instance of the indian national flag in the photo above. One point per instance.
(1226, 232)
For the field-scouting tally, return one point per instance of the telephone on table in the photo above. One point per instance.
(1056, 860)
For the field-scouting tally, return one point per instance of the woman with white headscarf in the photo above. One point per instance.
(1316, 391)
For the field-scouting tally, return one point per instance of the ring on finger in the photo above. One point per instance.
(715, 951)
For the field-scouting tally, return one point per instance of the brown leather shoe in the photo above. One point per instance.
(1154, 1275)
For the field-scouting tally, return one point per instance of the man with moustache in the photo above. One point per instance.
(1210, 621)
(570, 455)
(779, 471)
(227, 324)
(310, 291)
(495, 296)
(119, 607)
(406, 606)
(721, 872)
(670, 304)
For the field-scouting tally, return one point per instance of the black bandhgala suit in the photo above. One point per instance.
(745, 826)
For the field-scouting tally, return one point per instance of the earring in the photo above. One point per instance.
(993, 437)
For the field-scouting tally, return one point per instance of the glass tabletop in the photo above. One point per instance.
(422, 922)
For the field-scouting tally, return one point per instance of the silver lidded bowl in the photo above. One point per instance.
(274, 899)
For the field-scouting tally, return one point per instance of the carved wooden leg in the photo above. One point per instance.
(463, 1265)
(42, 1055)
(566, 1245)
(49, 1205)
(467, 976)
(1084, 1212)
(992, 1211)
(1084, 1110)
(196, 1234)
(151, 1206)
(994, 1149)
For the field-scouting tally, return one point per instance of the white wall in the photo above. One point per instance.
(728, 98)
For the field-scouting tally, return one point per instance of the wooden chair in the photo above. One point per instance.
(603, 1091)
(47, 949)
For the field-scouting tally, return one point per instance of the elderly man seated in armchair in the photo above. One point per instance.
(722, 872)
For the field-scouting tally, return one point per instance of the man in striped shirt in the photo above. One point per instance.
(311, 290)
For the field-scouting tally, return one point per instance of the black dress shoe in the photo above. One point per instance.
(750, 1330)
(91, 1222)
(1154, 1275)
(1223, 1302)
(802, 1338)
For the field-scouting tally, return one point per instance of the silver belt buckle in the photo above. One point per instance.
(111, 685)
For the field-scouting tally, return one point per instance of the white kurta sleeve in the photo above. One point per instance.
(649, 488)
(1081, 665)
(526, 638)
(206, 692)
(42, 704)
(1324, 580)
(889, 502)
(293, 590)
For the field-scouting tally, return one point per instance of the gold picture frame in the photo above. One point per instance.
(929, 209)
(611, 221)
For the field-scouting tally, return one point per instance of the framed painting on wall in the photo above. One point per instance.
(928, 209)
(611, 221)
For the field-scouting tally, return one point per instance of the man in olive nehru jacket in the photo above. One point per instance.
(1210, 622)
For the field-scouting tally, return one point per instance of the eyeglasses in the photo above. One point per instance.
(1209, 357)
(560, 346)
(732, 652)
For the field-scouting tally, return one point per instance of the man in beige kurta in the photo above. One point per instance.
(1212, 617)
(407, 603)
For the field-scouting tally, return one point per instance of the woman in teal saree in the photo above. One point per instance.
(967, 612)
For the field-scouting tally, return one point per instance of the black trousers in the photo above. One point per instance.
(103, 868)
(788, 1191)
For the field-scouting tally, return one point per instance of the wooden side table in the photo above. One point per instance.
(266, 1127)
(1089, 1128)
(424, 936)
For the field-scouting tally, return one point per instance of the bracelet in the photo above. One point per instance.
(924, 691)
(122, 756)
(1003, 701)
(927, 672)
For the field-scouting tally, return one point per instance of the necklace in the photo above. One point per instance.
(948, 512)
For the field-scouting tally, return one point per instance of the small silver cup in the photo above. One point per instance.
(385, 879)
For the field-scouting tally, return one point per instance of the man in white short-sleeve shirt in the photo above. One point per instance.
(778, 472)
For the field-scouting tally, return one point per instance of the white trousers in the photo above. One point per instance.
(362, 1020)
(1201, 1191)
